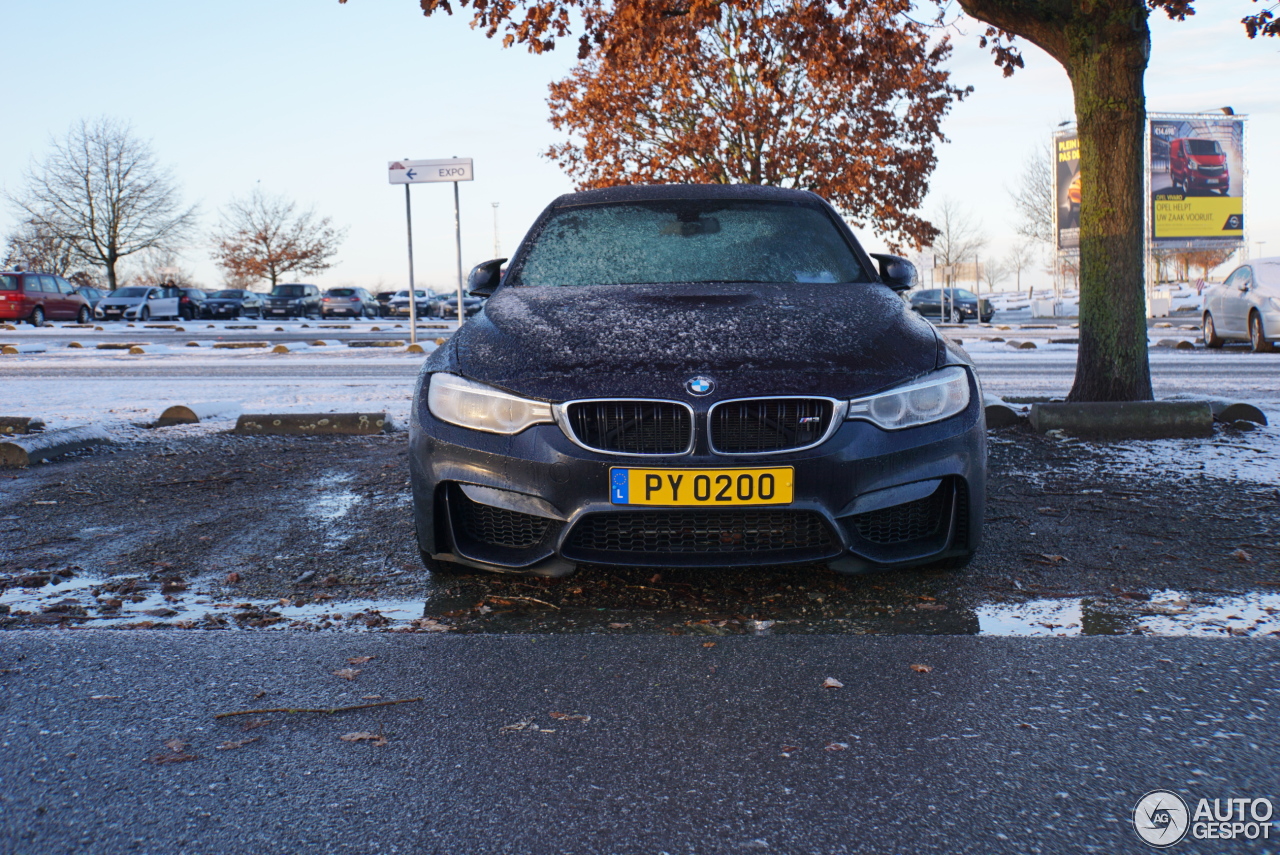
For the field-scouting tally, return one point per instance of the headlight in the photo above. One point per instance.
(938, 396)
(480, 407)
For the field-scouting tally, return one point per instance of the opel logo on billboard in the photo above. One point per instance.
(699, 386)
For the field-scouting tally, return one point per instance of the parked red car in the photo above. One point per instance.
(37, 297)
(1199, 165)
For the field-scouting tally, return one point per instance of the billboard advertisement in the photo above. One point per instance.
(1066, 175)
(1197, 178)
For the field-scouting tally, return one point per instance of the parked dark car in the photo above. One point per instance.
(37, 297)
(191, 303)
(296, 300)
(349, 302)
(91, 295)
(696, 376)
(955, 305)
(233, 303)
(384, 302)
(447, 306)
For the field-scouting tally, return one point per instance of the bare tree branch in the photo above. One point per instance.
(101, 192)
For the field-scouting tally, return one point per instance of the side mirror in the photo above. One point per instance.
(485, 278)
(895, 271)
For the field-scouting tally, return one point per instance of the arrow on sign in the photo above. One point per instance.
(410, 174)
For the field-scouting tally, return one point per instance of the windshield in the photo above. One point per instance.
(289, 291)
(227, 295)
(8, 283)
(404, 295)
(1204, 147)
(130, 292)
(342, 292)
(689, 241)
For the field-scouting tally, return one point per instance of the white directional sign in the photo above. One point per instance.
(427, 171)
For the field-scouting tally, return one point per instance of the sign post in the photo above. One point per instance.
(408, 172)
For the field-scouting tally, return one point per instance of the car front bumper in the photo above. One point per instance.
(538, 503)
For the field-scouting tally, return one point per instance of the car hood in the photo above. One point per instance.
(648, 340)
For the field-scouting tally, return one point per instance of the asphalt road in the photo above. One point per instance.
(1006, 745)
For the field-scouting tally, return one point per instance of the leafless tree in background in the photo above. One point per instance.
(993, 272)
(265, 237)
(37, 248)
(1021, 256)
(1033, 197)
(158, 267)
(101, 191)
(960, 237)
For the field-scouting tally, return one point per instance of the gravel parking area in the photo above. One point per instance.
(219, 531)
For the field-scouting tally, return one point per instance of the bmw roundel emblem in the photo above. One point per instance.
(700, 385)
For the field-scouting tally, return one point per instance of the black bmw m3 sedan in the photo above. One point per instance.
(695, 376)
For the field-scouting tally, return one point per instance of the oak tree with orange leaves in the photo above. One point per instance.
(769, 92)
(266, 237)
(1102, 44)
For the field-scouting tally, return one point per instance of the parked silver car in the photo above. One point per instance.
(1246, 307)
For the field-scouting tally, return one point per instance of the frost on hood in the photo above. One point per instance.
(836, 339)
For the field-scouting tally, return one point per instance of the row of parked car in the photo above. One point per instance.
(37, 297)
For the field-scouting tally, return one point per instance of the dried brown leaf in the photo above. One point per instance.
(568, 717)
(359, 660)
(175, 744)
(1242, 555)
(708, 644)
(1053, 559)
(238, 743)
(922, 669)
(347, 673)
(832, 683)
(836, 746)
(364, 736)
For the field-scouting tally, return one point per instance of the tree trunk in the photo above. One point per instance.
(1104, 46)
(1107, 59)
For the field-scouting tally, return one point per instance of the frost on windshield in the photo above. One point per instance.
(689, 241)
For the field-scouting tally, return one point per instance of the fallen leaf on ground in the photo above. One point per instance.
(347, 673)
(371, 697)
(922, 669)
(1242, 555)
(233, 578)
(708, 644)
(567, 717)
(1056, 559)
(104, 697)
(175, 744)
(359, 660)
(619, 626)
(175, 754)
(239, 743)
(261, 694)
(832, 683)
(364, 736)
(256, 723)
(837, 746)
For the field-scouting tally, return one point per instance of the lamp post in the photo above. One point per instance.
(497, 248)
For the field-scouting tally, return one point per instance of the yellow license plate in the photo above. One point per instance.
(702, 487)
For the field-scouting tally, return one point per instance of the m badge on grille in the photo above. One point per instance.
(700, 386)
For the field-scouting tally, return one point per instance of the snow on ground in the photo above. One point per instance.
(130, 389)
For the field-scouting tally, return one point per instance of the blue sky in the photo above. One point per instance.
(310, 99)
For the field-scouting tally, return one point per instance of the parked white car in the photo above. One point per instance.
(1246, 307)
(139, 303)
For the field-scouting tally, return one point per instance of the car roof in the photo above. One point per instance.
(661, 192)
